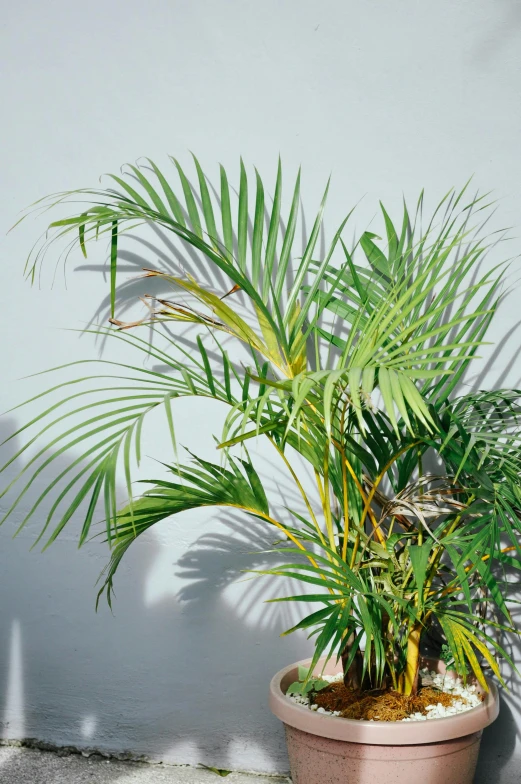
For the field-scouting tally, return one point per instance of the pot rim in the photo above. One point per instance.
(380, 733)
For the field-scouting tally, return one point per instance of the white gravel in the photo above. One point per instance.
(467, 697)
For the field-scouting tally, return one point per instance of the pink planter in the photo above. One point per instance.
(330, 750)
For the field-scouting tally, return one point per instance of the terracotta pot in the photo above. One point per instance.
(331, 750)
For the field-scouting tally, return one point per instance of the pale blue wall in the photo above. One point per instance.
(391, 97)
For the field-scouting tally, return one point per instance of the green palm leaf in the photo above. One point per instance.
(353, 361)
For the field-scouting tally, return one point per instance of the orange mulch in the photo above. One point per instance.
(378, 705)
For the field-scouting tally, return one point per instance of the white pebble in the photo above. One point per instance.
(468, 697)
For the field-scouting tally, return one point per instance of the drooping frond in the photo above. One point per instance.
(346, 360)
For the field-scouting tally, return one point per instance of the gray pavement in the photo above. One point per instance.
(31, 766)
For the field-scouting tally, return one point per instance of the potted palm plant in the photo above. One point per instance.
(348, 362)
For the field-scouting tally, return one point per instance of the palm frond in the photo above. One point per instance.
(354, 357)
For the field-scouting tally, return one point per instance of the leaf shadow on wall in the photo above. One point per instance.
(179, 674)
(139, 676)
(211, 565)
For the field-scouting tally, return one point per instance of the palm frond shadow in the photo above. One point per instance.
(389, 328)
(178, 260)
(152, 256)
(178, 257)
(478, 381)
(218, 560)
(498, 745)
(166, 711)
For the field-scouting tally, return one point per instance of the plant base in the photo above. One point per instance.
(327, 749)
(381, 705)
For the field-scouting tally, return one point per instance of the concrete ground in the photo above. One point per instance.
(31, 766)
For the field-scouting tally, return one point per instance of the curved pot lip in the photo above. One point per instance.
(379, 733)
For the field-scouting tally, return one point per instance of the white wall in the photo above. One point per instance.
(391, 97)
